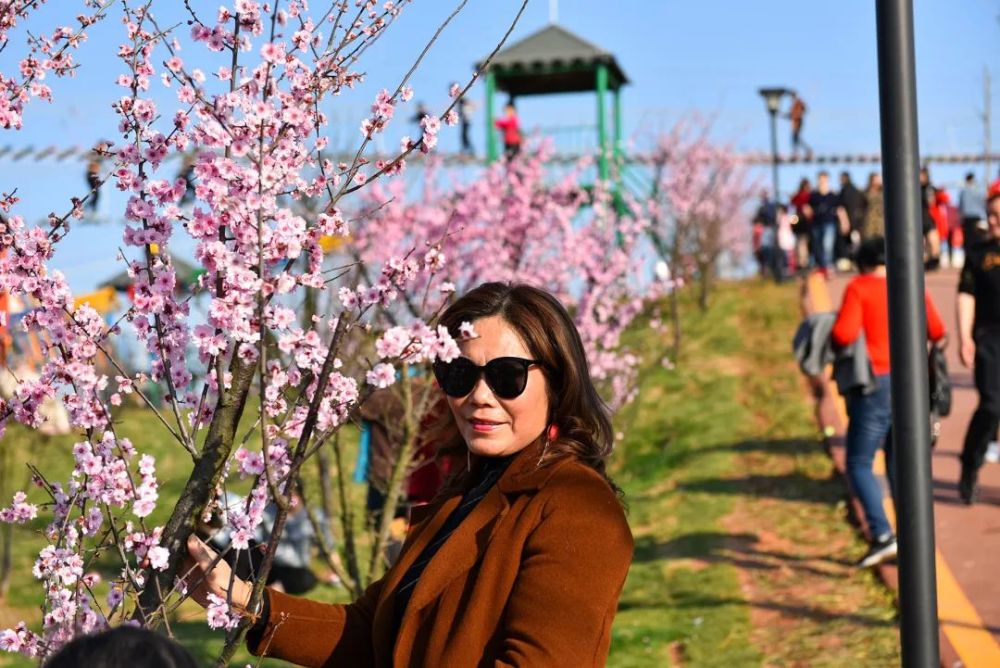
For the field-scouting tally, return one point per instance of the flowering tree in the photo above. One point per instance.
(697, 203)
(256, 128)
(507, 224)
(510, 224)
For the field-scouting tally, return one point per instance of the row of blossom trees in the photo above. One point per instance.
(268, 198)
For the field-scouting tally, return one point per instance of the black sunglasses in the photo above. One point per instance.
(506, 376)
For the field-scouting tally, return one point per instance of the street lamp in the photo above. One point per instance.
(772, 98)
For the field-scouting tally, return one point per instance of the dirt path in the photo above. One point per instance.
(789, 536)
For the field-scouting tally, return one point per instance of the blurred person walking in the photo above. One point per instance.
(802, 225)
(828, 216)
(874, 224)
(932, 239)
(854, 203)
(785, 242)
(978, 311)
(972, 211)
(865, 311)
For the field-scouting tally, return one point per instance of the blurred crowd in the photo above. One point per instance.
(822, 228)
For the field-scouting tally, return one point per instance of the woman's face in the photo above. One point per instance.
(491, 426)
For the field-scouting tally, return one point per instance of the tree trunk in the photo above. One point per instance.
(198, 490)
(7, 531)
(347, 521)
(705, 281)
(397, 479)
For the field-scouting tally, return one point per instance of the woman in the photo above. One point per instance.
(866, 308)
(521, 561)
(875, 209)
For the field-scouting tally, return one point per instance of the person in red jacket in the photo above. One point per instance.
(511, 128)
(866, 309)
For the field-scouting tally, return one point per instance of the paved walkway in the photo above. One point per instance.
(968, 538)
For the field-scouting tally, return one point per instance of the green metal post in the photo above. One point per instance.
(602, 135)
(491, 133)
(619, 163)
(618, 126)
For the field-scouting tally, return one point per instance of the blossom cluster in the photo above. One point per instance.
(51, 53)
(512, 223)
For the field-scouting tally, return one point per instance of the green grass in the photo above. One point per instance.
(672, 433)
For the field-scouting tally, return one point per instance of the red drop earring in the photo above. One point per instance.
(553, 433)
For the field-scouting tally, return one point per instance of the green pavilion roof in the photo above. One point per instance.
(553, 60)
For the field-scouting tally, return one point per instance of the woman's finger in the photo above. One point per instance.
(200, 552)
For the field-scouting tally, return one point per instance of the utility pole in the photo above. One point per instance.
(907, 341)
(987, 129)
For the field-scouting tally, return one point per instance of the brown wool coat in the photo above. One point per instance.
(530, 578)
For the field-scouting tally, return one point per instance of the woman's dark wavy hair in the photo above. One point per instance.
(548, 331)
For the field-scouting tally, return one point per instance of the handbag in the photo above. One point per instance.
(940, 382)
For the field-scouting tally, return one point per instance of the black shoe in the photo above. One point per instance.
(879, 551)
(968, 487)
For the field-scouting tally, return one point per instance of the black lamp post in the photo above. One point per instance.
(772, 98)
(897, 79)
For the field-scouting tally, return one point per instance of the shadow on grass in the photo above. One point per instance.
(789, 487)
(674, 456)
(741, 550)
(698, 601)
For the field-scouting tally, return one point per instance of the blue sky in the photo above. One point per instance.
(709, 56)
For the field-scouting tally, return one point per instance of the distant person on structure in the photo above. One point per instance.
(465, 108)
(419, 114)
(865, 310)
(972, 209)
(186, 174)
(979, 338)
(510, 126)
(797, 115)
(94, 161)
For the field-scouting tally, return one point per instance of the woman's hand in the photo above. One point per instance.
(205, 574)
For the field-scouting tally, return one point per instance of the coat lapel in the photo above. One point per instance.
(382, 631)
(462, 549)
(465, 547)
